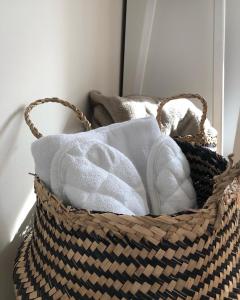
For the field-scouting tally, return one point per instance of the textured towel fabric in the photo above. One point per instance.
(169, 183)
(95, 176)
(179, 118)
(133, 139)
(123, 168)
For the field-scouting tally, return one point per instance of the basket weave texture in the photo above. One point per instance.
(204, 165)
(76, 254)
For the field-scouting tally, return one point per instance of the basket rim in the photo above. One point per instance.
(190, 224)
(71, 209)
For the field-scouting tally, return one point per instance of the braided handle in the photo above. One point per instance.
(34, 130)
(199, 137)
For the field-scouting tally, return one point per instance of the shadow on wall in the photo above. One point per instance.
(8, 254)
(8, 150)
(10, 170)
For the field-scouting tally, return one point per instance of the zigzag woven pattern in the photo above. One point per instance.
(204, 165)
(72, 254)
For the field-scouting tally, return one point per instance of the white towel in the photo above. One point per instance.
(169, 183)
(133, 138)
(95, 170)
(95, 176)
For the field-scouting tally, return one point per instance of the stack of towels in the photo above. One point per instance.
(126, 168)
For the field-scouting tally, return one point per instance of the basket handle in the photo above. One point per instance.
(163, 101)
(34, 130)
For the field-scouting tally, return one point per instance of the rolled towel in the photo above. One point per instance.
(95, 176)
(169, 183)
(133, 138)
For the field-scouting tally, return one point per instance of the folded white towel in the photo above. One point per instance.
(169, 183)
(133, 138)
(95, 176)
(105, 169)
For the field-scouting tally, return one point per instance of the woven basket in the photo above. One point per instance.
(76, 254)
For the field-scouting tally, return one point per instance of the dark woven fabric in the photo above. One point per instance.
(204, 165)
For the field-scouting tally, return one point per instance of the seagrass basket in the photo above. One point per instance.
(77, 254)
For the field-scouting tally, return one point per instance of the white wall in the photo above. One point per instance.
(180, 54)
(48, 48)
(232, 74)
(134, 29)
